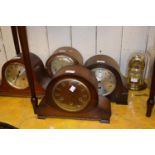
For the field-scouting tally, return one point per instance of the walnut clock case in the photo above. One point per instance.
(61, 57)
(72, 93)
(110, 81)
(14, 78)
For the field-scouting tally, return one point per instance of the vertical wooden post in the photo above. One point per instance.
(150, 102)
(27, 62)
(15, 39)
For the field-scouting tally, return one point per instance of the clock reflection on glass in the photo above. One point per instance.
(106, 81)
(15, 75)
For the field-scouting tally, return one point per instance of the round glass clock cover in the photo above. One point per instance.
(106, 81)
(15, 75)
(71, 95)
(59, 62)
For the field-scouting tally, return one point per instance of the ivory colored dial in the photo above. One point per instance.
(106, 81)
(71, 95)
(59, 62)
(15, 75)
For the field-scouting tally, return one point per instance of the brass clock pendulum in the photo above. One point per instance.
(72, 92)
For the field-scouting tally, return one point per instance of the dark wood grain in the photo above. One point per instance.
(15, 39)
(28, 66)
(150, 102)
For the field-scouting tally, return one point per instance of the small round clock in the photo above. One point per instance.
(63, 56)
(110, 81)
(14, 78)
(72, 92)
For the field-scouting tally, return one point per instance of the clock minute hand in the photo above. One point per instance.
(19, 74)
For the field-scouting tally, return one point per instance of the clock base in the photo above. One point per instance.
(102, 112)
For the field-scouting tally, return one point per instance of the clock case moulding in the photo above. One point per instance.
(120, 93)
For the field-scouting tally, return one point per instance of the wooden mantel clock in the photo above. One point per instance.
(110, 81)
(72, 92)
(151, 99)
(14, 78)
(61, 57)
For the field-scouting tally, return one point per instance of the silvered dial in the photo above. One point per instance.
(71, 95)
(106, 81)
(59, 62)
(15, 75)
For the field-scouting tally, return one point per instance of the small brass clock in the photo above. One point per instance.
(136, 71)
(63, 56)
(110, 81)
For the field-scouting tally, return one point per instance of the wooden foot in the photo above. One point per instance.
(150, 104)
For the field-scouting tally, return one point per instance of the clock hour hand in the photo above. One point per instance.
(20, 72)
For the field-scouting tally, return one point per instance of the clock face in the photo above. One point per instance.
(71, 95)
(106, 81)
(59, 62)
(15, 75)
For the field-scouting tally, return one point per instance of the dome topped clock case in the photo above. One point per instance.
(63, 56)
(110, 81)
(72, 93)
(14, 78)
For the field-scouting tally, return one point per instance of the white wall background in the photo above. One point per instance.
(116, 41)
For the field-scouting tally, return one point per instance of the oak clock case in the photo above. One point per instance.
(72, 93)
(110, 81)
(61, 57)
(14, 78)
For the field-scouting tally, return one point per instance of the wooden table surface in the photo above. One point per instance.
(19, 112)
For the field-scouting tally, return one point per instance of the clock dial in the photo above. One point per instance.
(71, 95)
(16, 77)
(59, 62)
(106, 81)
